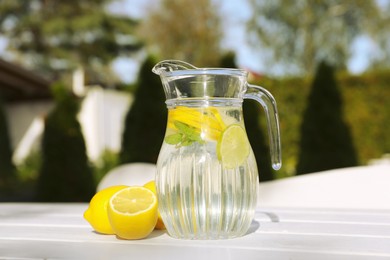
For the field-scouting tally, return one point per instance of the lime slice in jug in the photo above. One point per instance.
(233, 146)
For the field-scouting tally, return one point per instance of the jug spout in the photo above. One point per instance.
(171, 65)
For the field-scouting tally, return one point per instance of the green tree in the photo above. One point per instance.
(184, 30)
(7, 169)
(326, 142)
(54, 36)
(146, 120)
(300, 34)
(65, 174)
(252, 116)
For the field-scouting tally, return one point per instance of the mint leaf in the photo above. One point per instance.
(188, 131)
(185, 136)
(195, 137)
(182, 127)
(186, 143)
(173, 139)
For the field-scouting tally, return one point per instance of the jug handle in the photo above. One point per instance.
(268, 102)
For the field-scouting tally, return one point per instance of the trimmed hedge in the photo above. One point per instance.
(146, 119)
(65, 174)
(7, 169)
(325, 141)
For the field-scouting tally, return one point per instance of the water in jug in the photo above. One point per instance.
(207, 177)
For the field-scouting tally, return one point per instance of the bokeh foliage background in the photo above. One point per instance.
(365, 107)
(53, 38)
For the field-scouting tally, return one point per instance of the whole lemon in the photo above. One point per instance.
(96, 214)
(152, 186)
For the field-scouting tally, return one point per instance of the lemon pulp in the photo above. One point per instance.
(132, 212)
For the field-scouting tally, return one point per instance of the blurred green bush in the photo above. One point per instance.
(7, 169)
(146, 119)
(107, 161)
(65, 174)
(366, 111)
(325, 139)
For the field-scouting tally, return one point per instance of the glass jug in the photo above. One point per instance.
(207, 177)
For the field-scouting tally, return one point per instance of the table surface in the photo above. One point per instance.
(52, 231)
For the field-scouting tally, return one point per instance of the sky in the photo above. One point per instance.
(235, 14)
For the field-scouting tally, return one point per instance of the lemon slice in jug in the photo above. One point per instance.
(233, 147)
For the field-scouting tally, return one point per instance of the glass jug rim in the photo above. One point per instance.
(206, 71)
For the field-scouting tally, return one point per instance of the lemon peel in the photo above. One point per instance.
(206, 121)
(152, 186)
(96, 213)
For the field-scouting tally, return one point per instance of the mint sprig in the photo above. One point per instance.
(185, 135)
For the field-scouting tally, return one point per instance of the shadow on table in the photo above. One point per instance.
(253, 228)
(155, 233)
(272, 216)
(255, 225)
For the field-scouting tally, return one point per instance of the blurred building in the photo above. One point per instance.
(102, 116)
(27, 100)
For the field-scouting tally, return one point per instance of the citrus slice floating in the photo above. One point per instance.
(233, 147)
(133, 212)
(96, 214)
(205, 121)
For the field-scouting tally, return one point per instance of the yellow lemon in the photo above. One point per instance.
(96, 214)
(207, 121)
(133, 212)
(152, 186)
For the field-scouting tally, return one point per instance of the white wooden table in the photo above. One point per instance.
(58, 231)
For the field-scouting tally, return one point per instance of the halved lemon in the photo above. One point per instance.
(233, 147)
(133, 212)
